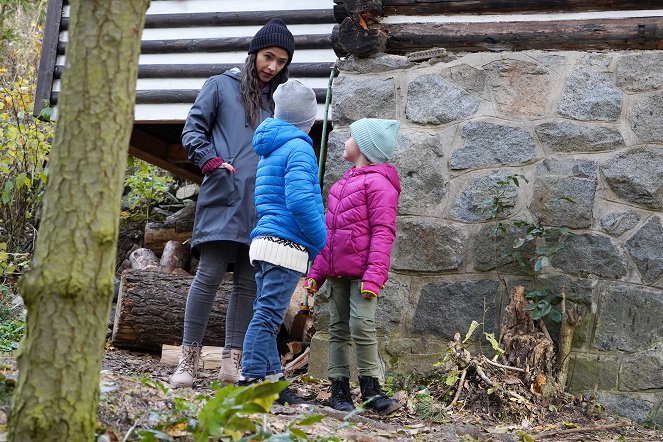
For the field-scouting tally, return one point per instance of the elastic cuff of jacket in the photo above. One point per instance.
(311, 285)
(211, 165)
(368, 286)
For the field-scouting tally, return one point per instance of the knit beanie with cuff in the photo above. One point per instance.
(376, 138)
(274, 33)
(295, 103)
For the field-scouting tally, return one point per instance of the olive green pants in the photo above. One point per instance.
(351, 320)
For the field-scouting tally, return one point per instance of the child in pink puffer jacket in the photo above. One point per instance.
(361, 228)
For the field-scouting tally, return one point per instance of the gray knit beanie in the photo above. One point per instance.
(376, 138)
(274, 33)
(295, 103)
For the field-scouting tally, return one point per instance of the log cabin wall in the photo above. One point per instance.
(185, 42)
(567, 94)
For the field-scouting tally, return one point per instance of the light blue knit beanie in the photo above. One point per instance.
(376, 138)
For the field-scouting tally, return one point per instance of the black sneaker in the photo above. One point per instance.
(287, 396)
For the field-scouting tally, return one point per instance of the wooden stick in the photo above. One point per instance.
(549, 433)
(506, 367)
(460, 387)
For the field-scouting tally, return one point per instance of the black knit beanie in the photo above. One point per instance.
(274, 33)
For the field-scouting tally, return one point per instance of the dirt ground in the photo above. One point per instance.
(129, 396)
(133, 393)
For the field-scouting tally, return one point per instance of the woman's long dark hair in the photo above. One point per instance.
(249, 89)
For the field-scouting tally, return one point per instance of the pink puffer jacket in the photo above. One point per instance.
(361, 227)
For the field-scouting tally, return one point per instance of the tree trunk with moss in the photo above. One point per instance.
(69, 289)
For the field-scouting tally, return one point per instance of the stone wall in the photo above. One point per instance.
(588, 126)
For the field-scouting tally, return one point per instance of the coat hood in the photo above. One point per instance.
(384, 169)
(274, 133)
(234, 73)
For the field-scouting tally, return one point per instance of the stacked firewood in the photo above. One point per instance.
(153, 285)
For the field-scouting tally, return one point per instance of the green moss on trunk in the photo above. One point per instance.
(69, 289)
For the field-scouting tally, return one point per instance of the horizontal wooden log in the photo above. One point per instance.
(239, 18)
(433, 7)
(150, 311)
(304, 70)
(210, 357)
(177, 226)
(627, 33)
(351, 38)
(191, 45)
(179, 96)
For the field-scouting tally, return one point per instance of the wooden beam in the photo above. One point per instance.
(351, 38)
(169, 157)
(207, 70)
(627, 33)
(168, 96)
(432, 7)
(312, 41)
(48, 55)
(240, 18)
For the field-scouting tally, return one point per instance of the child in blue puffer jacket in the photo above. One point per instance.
(291, 226)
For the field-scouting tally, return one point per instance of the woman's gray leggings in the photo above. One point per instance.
(214, 259)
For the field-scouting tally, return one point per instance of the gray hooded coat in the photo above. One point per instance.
(218, 126)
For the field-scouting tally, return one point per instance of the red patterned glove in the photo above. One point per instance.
(211, 165)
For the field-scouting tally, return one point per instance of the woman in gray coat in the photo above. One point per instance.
(217, 137)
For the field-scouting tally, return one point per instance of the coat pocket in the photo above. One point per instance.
(217, 189)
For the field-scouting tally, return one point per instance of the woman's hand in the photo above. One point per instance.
(227, 166)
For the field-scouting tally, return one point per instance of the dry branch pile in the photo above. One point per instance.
(522, 380)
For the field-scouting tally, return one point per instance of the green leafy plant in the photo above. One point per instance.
(230, 413)
(534, 246)
(147, 184)
(11, 332)
(24, 147)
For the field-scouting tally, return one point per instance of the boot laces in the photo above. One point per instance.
(341, 390)
(189, 361)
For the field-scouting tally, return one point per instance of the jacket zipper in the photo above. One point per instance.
(331, 247)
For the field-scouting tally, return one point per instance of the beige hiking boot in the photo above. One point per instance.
(231, 366)
(187, 368)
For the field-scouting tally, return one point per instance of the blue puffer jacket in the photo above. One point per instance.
(287, 196)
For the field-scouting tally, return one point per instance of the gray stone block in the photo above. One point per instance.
(636, 176)
(471, 79)
(488, 144)
(446, 308)
(432, 100)
(422, 168)
(492, 248)
(646, 250)
(521, 89)
(590, 96)
(642, 370)
(629, 317)
(377, 63)
(631, 406)
(567, 137)
(474, 204)
(640, 72)
(646, 118)
(587, 372)
(617, 223)
(427, 245)
(359, 97)
(575, 179)
(590, 254)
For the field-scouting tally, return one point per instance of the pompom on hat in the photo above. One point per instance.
(274, 33)
(376, 138)
(295, 103)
